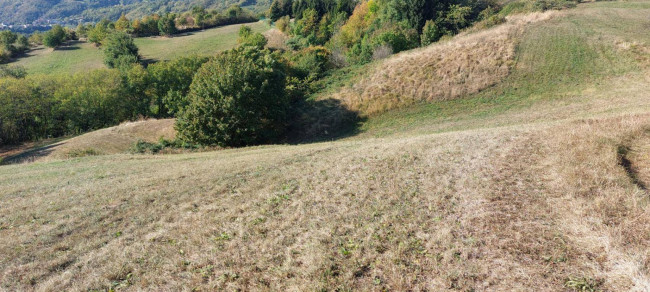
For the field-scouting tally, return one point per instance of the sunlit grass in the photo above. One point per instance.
(81, 56)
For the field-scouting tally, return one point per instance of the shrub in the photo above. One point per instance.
(399, 39)
(12, 71)
(5, 55)
(311, 61)
(170, 83)
(283, 24)
(54, 37)
(119, 50)
(249, 38)
(382, 52)
(7, 40)
(167, 25)
(255, 39)
(36, 38)
(98, 33)
(143, 147)
(431, 33)
(22, 43)
(236, 99)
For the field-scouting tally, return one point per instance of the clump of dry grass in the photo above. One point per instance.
(493, 209)
(276, 39)
(463, 65)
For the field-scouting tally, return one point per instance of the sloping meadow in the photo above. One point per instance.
(447, 70)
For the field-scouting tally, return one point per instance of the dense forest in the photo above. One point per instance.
(71, 12)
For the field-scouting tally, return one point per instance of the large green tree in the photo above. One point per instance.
(7, 40)
(238, 98)
(54, 37)
(170, 83)
(167, 25)
(119, 49)
(279, 8)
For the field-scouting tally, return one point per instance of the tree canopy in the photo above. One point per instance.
(119, 49)
(238, 98)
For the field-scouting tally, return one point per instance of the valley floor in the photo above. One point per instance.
(501, 191)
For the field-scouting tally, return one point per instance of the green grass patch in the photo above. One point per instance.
(555, 61)
(82, 56)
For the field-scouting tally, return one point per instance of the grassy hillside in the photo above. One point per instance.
(113, 140)
(534, 182)
(81, 56)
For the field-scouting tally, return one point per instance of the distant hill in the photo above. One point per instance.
(74, 11)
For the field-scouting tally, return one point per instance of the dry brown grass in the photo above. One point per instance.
(461, 66)
(113, 140)
(117, 139)
(489, 210)
(276, 39)
(545, 203)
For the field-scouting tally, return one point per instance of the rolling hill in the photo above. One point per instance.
(527, 172)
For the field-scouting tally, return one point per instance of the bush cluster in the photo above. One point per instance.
(36, 107)
(238, 98)
(11, 45)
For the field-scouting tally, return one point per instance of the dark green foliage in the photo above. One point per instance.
(28, 11)
(143, 147)
(249, 38)
(41, 107)
(238, 98)
(119, 50)
(283, 23)
(12, 44)
(280, 8)
(322, 7)
(170, 83)
(167, 25)
(22, 43)
(54, 37)
(12, 71)
(431, 33)
(398, 38)
(36, 38)
(7, 40)
(98, 33)
(310, 63)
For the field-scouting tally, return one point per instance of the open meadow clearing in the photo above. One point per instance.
(533, 178)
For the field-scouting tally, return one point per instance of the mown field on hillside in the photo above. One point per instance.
(536, 181)
(81, 56)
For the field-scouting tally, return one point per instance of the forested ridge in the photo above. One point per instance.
(75, 11)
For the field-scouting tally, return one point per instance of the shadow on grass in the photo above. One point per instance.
(67, 48)
(322, 120)
(148, 61)
(184, 34)
(30, 155)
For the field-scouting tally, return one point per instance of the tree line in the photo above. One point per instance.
(12, 45)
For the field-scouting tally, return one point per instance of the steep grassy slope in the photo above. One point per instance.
(82, 56)
(534, 183)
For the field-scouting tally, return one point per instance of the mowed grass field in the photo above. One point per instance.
(82, 56)
(537, 182)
